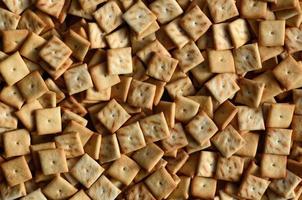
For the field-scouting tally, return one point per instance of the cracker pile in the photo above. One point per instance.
(150, 99)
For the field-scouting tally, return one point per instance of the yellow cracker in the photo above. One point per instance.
(222, 10)
(32, 22)
(52, 8)
(10, 18)
(166, 11)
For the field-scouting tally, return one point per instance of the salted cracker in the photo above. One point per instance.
(201, 127)
(189, 56)
(228, 141)
(182, 87)
(185, 108)
(273, 166)
(247, 58)
(222, 10)
(109, 16)
(221, 61)
(96, 36)
(207, 164)
(221, 37)
(110, 150)
(119, 61)
(195, 23)
(103, 188)
(272, 33)
(16, 143)
(59, 188)
(52, 8)
(253, 187)
(10, 95)
(48, 120)
(32, 86)
(16, 171)
(251, 144)
(13, 69)
(13, 39)
(124, 169)
(78, 44)
(77, 79)
(229, 169)
(139, 17)
(130, 138)
(224, 114)
(252, 9)
(176, 34)
(101, 78)
(31, 21)
(222, 87)
(278, 141)
(176, 140)
(119, 38)
(250, 119)
(203, 187)
(11, 19)
(166, 11)
(280, 115)
(239, 32)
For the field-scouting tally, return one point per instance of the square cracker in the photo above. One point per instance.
(86, 171)
(253, 187)
(119, 38)
(228, 141)
(285, 186)
(103, 188)
(229, 169)
(35, 195)
(147, 51)
(16, 143)
(288, 72)
(71, 144)
(222, 39)
(124, 170)
(247, 58)
(176, 140)
(250, 119)
(17, 7)
(174, 164)
(100, 77)
(271, 87)
(120, 90)
(13, 69)
(27, 114)
(166, 10)
(160, 183)
(280, 115)
(180, 87)
(204, 188)
(53, 161)
(59, 188)
(154, 127)
(119, 61)
(52, 8)
(32, 22)
(250, 93)
(77, 79)
(278, 141)
(272, 33)
(273, 166)
(239, 32)
(78, 44)
(189, 56)
(93, 146)
(96, 36)
(7, 118)
(139, 191)
(224, 114)
(48, 121)
(161, 67)
(221, 61)
(12, 40)
(139, 17)
(222, 10)
(16, 171)
(80, 195)
(55, 52)
(113, 116)
(109, 16)
(297, 98)
(222, 87)
(141, 94)
(185, 108)
(32, 86)
(207, 164)
(142, 156)
(176, 33)
(84, 133)
(293, 39)
(12, 96)
(195, 23)
(251, 144)
(253, 9)
(10, 18)
(15, 192)
(110, 150)
(168, 108)
(201, 128)
(31, 47)
(130, 138)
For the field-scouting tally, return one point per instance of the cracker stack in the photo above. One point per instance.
(150, 99)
